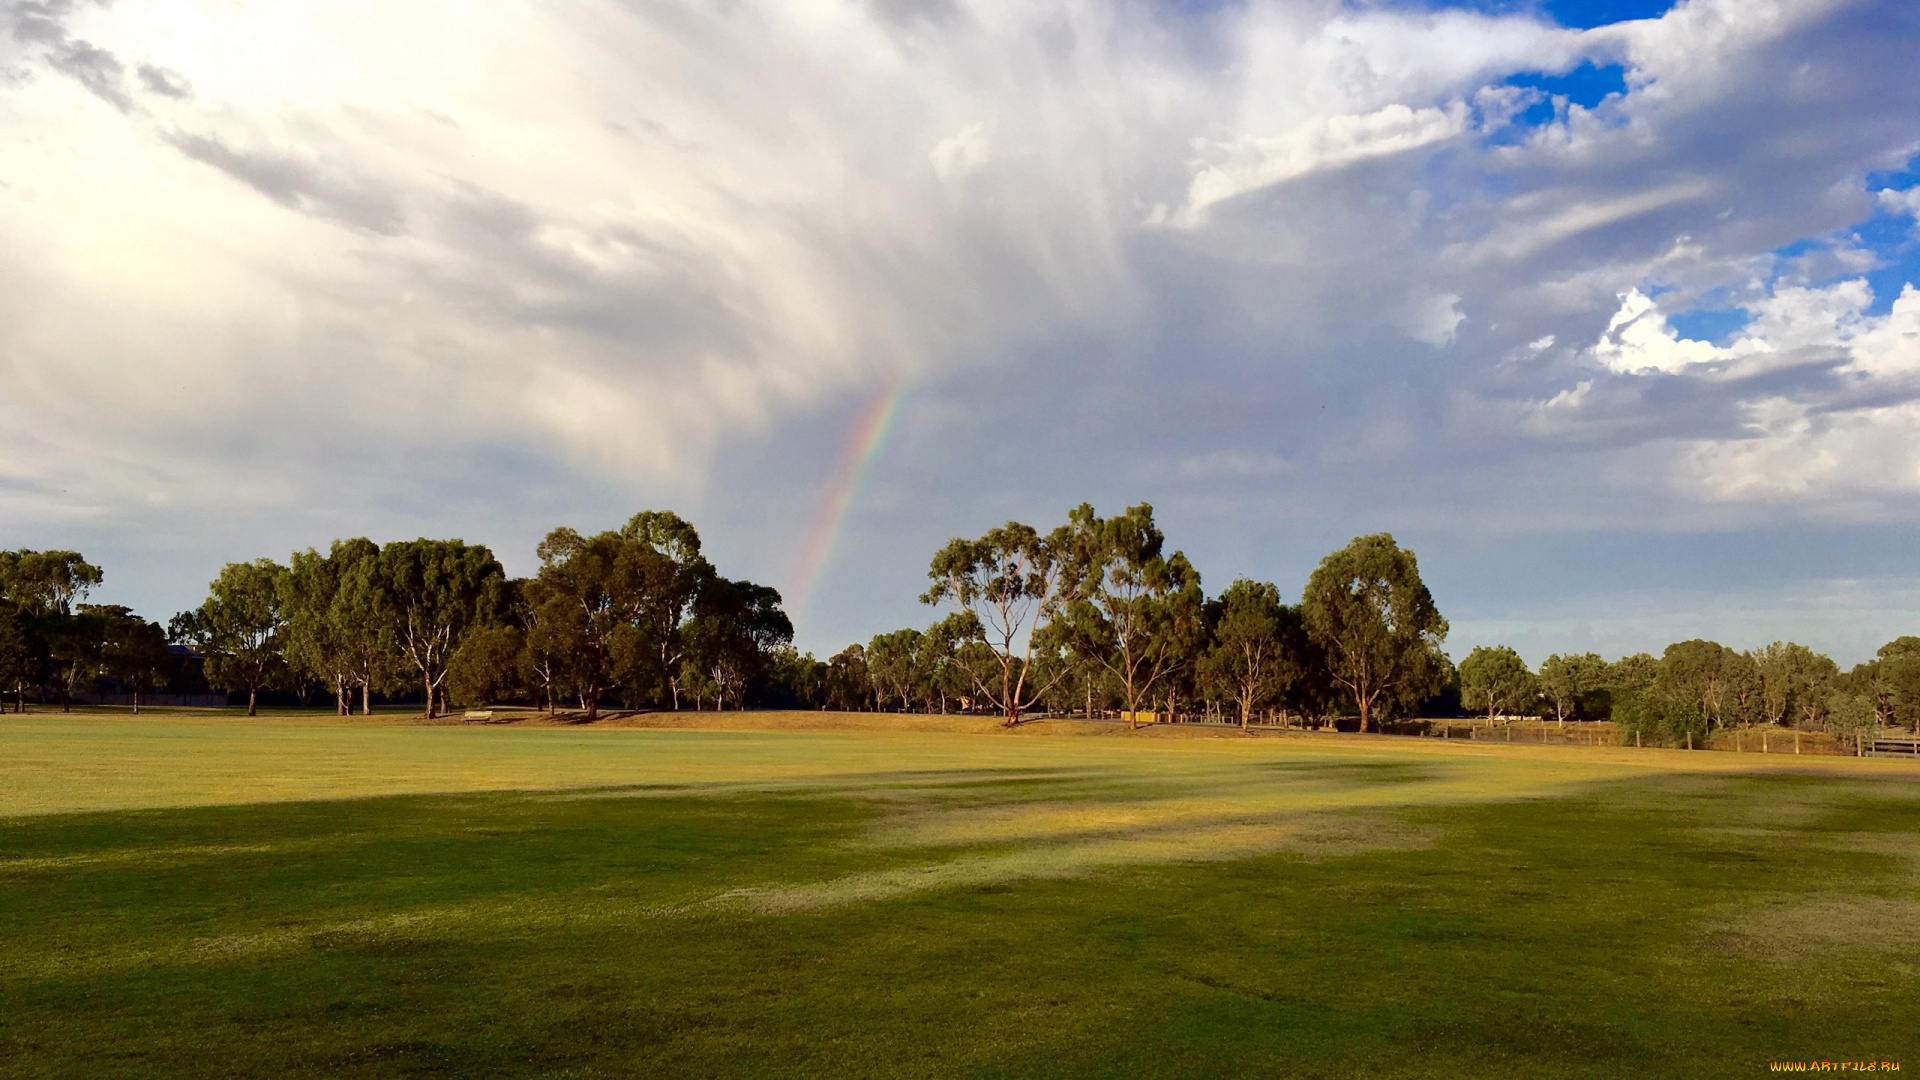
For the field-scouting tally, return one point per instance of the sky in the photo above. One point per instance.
(1610, 311)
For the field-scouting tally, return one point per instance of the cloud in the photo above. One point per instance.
(158, 80)
(1905, 201)
(330, 266)
(1254, 162)
(1850, 429)
(967, 152)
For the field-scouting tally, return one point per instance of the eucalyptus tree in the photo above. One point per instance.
(1795, 683)
(674, 589)
(540, 656)
(132, 651)
(1369, 612)
(432, 592)
(20, 659)
(41, 589)
(800, 679)
(896, 663)
(1007, 586)
(1812, 678)
(337, 631)
(76, 647)
(1898, 678)
(1256, 652)
(1851, 716)
(241, 626)
(946, 677)
(46, 583)
(1703, 673)
(1133, 610)
(736, 628)
(1631, 676)
(1568, 682)
(1746, 691)
(1495, 680)
(486, 666)
(849, 685)
(1774, 665)
(594, 592)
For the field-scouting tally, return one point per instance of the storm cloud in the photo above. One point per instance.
(1291, 269)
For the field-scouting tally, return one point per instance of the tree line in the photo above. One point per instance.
(1697, 687)
(1094, 616)
(1097, 615)
(636, 616)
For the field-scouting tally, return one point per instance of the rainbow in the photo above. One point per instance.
(864, 443)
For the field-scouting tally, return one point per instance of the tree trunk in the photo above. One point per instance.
(427, 684)
(366, 698)
(136, 702)
(1246, 713)
(253, 696)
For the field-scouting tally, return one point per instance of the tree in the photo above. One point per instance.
(592, 593)
(20, 659)
(1255, 655)
(848, 684)
(1794, 683)
(1746, 691)
(1702, 672)
(41, 588)
(539, 660)
(43, 583)
(485, 668)
(1850, 716)
(241, 624)
(1496, 680)
(335, 626)
(895, 663)
(946, 676)
(1656, 715)
(1632, 674)
(1567, 682)
(799, 680)
(432, 592)
(1898, 675)
(1134, 611)
(1007, 586)
(1368, 610)
(134, 651)
(735, 630)
(672, 592)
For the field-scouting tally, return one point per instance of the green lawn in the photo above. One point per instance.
(212, 898)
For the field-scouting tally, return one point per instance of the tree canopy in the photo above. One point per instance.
(1372, 616)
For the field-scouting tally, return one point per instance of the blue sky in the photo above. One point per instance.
(1596, 306)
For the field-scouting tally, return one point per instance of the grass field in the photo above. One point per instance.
(211, 897)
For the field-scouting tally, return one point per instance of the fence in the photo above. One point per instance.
(189, 701)
(1605, 733)
(1906, 748)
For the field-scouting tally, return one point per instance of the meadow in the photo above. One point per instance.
(818, 896)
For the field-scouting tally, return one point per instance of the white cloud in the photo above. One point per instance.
(1904, 201)
(1825, 441)
(354, 259)
(1252, 161)
(1639, 341)
(962, 154)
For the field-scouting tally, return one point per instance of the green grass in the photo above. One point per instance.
(189, 898)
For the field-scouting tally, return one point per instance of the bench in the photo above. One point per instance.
(485, 714)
